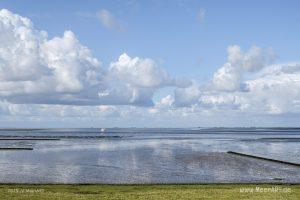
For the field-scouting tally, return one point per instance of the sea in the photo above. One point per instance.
(149, 155)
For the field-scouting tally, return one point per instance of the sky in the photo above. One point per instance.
(179, 63)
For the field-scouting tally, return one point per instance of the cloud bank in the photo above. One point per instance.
(60, 77)
(37, 70)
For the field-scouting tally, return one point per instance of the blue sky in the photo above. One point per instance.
(169, 30)
(176, 38)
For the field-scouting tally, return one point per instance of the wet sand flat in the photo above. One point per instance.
(141, 157)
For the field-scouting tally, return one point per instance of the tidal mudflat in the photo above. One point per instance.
(136, 156)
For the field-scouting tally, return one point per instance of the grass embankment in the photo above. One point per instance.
(157, 192)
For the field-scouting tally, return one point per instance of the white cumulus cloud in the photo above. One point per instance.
(230, 76)
(42, 77)
(37, 70)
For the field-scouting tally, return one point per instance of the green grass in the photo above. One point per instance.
(156, 192)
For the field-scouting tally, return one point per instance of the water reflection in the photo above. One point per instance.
(144, 158)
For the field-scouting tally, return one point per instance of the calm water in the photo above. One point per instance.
(150, 155)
